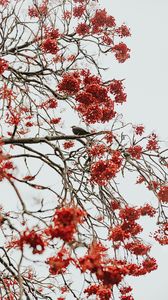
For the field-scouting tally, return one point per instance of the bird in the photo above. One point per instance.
(79, 131)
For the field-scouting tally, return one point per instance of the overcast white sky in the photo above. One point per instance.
(146, 81)
(146, 72)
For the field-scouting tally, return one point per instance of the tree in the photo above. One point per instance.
(66, 217)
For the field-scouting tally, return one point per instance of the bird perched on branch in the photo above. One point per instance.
(79, 131)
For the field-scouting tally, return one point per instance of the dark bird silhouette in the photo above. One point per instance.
(79, 131)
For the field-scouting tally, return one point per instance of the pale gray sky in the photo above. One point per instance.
(146, 75)
(146, 72)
